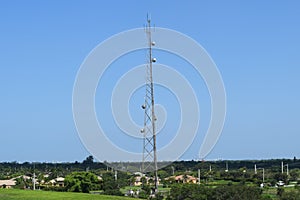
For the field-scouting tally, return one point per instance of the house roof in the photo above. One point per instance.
(52, 181)
(7, 182)
(46, 175)
(26, 177)
(22, 176)
(138, 174)
(182, 177)
(60, 179)
(188, 177)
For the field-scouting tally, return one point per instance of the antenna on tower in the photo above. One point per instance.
(148, 18)
(149, 162)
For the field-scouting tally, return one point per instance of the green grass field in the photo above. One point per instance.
(15, 194)
(127, 188)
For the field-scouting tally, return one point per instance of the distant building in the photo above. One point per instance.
(280, 183)
(7, 183)
(138, 180)
(59, 182)
(183, 179)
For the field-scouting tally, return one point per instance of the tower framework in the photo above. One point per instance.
(149, 162)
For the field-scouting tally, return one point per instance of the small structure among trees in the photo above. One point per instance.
(182, 179)
(7, 183)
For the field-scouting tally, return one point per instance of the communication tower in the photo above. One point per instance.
(149, 162)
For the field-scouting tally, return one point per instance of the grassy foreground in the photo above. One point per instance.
(15, 194)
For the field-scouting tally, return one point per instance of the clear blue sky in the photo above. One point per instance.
(255, 45)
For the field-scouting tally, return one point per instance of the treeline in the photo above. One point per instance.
(238, 171)
(222, 178)
(11, 169)
(178, 165)
(235, 164)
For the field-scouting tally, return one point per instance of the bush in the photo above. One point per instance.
(280, 191)
(225, 192)
(115, 192)
(81, 182)
(53, 188)
(292, 195)
(143, 195)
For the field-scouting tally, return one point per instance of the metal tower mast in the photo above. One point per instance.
(149, 162)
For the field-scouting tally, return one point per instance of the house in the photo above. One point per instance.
(59, 182)
(7, 183)
(46, 175)
(183, 179)
(138, 180)
(52, 182)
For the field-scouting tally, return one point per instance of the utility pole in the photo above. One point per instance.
(33, 180)
(226, 170)
(116, 175)
(287, 168)
(199, 176)
(263, 175)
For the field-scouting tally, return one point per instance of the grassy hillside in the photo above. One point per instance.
(15, 194)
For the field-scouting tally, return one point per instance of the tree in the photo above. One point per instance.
(162, 174)
(281, 177)
(82, 182)
(294, 173)
(236, 192)
(110, 185)
(292, 195)
(89, 160)
(188, 191)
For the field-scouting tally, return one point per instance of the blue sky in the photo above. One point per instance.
(255, 45)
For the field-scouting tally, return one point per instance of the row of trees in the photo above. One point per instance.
(233, 192)
(10, 168)
(227, 192)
